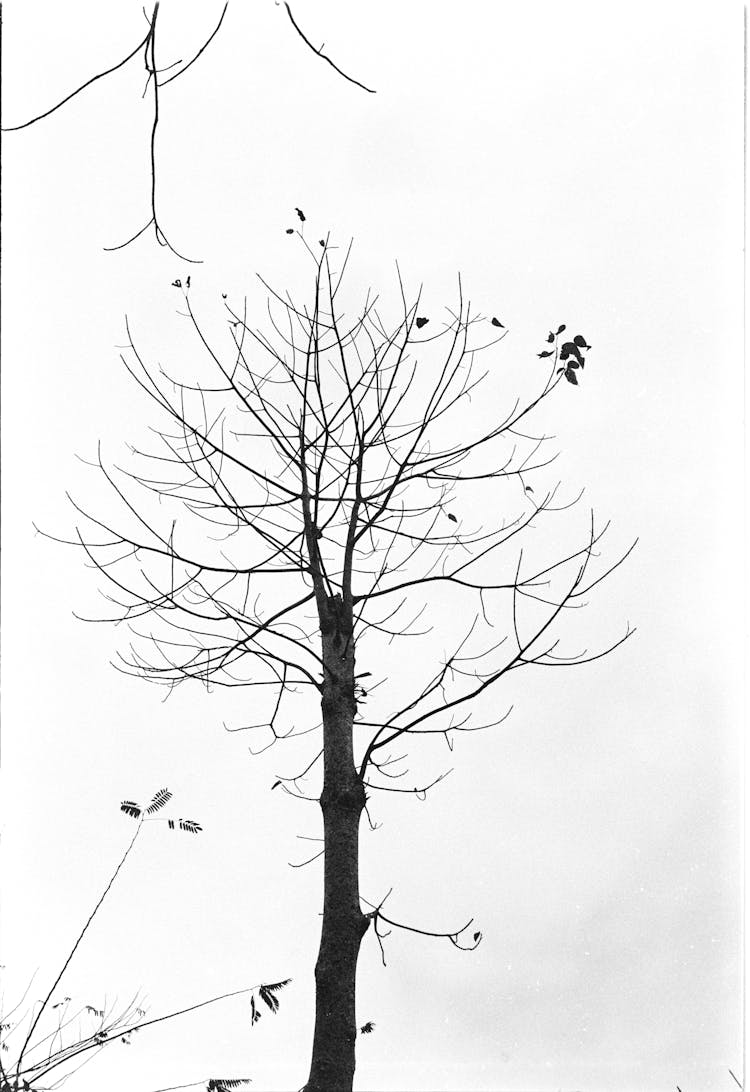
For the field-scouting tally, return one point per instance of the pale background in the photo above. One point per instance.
(579, 163)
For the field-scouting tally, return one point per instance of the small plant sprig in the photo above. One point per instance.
(51, 1051)
(147, 814)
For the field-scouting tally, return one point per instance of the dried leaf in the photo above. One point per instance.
(421, 322)
(570, 375)
(300, 213)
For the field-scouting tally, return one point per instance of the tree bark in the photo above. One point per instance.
(344, 924)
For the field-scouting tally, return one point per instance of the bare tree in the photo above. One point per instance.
(314, 485)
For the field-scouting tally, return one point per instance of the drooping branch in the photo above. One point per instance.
(319, 53)
(376, 916)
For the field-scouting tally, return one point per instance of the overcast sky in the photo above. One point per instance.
(577, 163)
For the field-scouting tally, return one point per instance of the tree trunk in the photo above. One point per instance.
(344, 924)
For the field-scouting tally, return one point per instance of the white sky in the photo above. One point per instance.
(578, 163)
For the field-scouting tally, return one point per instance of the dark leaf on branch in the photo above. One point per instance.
(547, 352)
(190, 826)
(573, 364)
(300, 213)
(570, 349)
(223, 295)
(477, 936)
(528, 489)
(254, 1014)
(560, 371)
(131, 809)
(366, 1029)
(550, 337)
(561, 328)
(322, 242)
(497, 322)
(177, 284)
(451, 517)
(570, 375)
(290, 231)
(275, 785)
(160, 798)
(422, 322)
(580, 341)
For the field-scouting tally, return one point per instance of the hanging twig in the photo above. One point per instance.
(322, 55)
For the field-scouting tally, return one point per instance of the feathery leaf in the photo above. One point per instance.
(159, 799)
(220, 1084)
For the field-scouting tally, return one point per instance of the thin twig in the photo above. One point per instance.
(322, 55)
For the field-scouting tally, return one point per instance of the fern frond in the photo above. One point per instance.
(274, 987)
(190, 826)
(130, 808)
(268, 999)
(268, 991)
(217, 1084)
(158, 800)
